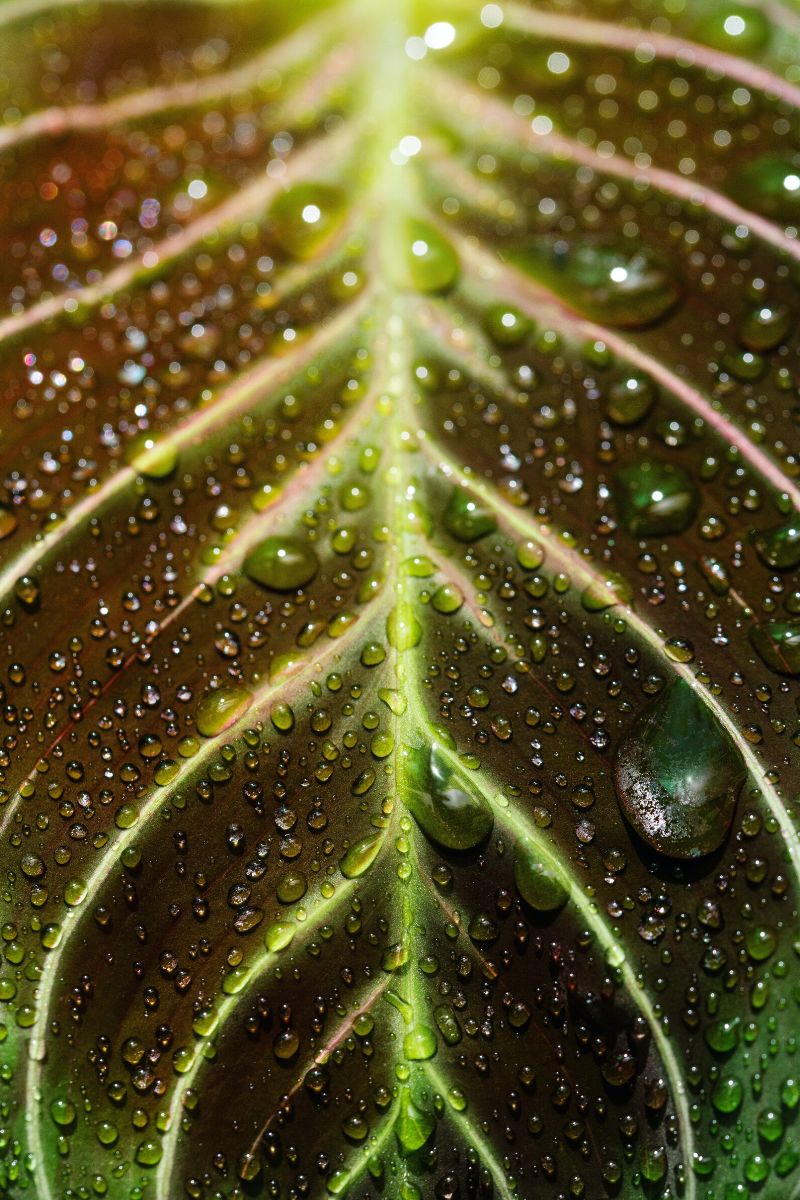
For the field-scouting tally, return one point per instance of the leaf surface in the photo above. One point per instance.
(398, 546)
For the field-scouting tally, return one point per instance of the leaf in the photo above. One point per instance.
(399, 539)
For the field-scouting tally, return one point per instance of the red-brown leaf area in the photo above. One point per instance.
(399, 533)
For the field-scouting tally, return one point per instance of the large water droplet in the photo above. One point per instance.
(361, 855)
(614, 283)
(432, 262)
(655, 499)
(282, 564)
(778, 644)
(8, 522)
(221, 709)
(466, 519)
(538, 883)
(678, 775)
(306, 217)
(734, 28)
(779, 546)
(414, 1124)
(445, 807)
(151, 455)
(769, 186)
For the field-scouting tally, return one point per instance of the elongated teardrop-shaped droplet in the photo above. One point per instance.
(152, 456)
(655, 499)
(306, 217)
(441, 800)
(282, 564)
(537, 883)
(678, 775)
(432, 263)
(614, 283)
(466, 519)
(221, 709)
(607, 591)
(402, 627)
(778, 644)
(779, 546)
(414, 1124)
(361, 855)
(770, 186)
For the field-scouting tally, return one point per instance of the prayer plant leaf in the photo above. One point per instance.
(399, 536)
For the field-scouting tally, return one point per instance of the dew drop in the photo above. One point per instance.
(360, 856)
(432, 263)
(306, 217)
(466, 519)
(442, 803)
(678, 775)
(539, 884)
(616, 284)
(152, 456)
(778, 644)
(221, 709)
(282, 564)
(655, 499)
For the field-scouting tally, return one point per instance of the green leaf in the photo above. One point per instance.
(398, 556)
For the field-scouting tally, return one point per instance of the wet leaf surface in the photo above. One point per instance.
(398, 555)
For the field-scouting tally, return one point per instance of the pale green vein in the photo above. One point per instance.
(290, 53)
(526, 831)
(561, 556)
(541, 304)
(472, 1136)
(269, 694)
(227, 405)
(251, 202)
(292, 494)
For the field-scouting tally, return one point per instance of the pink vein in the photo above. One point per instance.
(525, 291)
(54, 122)
(304, 476)
(343, 1032)
(229, 404)
(559, 146)
(583, 31)
(250, 202)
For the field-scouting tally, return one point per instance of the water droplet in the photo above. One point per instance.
(415, 1124)
(151, 455)
(539, 884)
(432, 263)
(734, 28)
(361, 855)
(655, 499)
(419, 1043)
(441, 801)
(221, 709)
(779, 546)
(306, 217)
(282, 564)
(613, 283)
(678, 775)
(770, 186)
(8, 522)
(466, 519)
(631, 399)
(402, 628)
(778, 644)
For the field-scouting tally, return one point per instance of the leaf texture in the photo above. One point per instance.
(398, 551)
